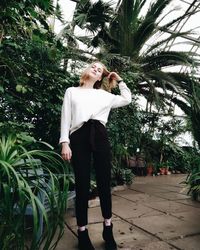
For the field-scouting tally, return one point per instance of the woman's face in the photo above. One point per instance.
(95, 71)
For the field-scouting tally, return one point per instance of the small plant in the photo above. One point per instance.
(162, 168)
(121, 174)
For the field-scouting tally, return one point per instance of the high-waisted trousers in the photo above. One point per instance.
(90, 144)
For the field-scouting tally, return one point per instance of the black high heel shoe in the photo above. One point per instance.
(84, 242)
(110, 243)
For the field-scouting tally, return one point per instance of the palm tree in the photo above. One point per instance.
(192, 108)
(125, 42)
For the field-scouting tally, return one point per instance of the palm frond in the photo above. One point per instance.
(163, 42)
(148, 24)
(93, 16)
(58, 13)
(162, 59)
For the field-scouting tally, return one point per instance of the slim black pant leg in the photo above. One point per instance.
(81, 162)
(102, 165)
(81, 165)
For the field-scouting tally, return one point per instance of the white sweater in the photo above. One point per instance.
(82, 104)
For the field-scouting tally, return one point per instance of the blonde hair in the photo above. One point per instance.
(104, 83)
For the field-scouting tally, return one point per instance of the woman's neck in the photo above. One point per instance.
(89, 84)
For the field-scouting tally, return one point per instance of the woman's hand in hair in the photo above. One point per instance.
(114, 76)
(66, 152)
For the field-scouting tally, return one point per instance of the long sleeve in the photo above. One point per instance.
(124, 98)
(80, 105)
(65, 117)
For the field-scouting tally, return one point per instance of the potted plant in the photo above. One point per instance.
(150, 168)
(163, 168)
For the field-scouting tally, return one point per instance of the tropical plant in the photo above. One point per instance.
(193, 178)
(120, 172)
(28, 177)
(124, 128)
(129, 43)
(32, 93)
(182, 161)
(121, 176)
(166, 133)
(32, 79)
(194, 111)
(26, 18)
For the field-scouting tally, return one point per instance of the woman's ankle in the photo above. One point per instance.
(107, 222)
(82, 228)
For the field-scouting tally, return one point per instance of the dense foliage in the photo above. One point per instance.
(32, 182)
(33, 80)
(36, 66)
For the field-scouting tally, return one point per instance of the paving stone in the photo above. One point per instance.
(166, 226)
(128, 192)
(153, 189)
(174, 180)
(68, 241)
(138, 197)
(70, 218)
(181, 190)
(94, 202)
(190, 202)
(189, 215)
(127, 209)
(172, 195)
(155, 245)
(187, 243)
(148, 189)
(170, 206)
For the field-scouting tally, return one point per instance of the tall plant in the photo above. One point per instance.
(25, 182)
(193, 178)
(125, 42)
(32, 79)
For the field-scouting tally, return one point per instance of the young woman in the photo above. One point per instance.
(84, 115)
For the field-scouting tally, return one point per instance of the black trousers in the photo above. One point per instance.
(90, 144)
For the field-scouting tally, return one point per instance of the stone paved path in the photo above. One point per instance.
(154, 213)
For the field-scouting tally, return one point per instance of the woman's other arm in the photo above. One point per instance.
(124, 98)
(65, 126)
